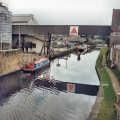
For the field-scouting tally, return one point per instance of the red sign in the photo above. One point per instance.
(70, 87)
(74, 30)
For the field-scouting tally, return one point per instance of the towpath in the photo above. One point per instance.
(99, 98)
(112, 76)
(114, 80)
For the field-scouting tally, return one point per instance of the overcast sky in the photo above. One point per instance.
(82, 12)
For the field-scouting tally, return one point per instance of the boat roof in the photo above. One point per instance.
(41, 59)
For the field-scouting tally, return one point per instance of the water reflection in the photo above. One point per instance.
(12, 83)
(32, 102)
(65, 86)
(82, 71)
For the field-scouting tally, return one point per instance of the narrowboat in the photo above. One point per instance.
(34, 66)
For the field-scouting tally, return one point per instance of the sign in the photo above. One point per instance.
(71, 88)
(74, 30)
(117, 46)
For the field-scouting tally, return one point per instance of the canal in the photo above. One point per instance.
(21, 99)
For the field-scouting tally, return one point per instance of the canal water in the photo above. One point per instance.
(20, 99)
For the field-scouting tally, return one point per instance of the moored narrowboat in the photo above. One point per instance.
(34, 66)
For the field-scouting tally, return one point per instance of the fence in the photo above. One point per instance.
(117, 106)
(9, 52)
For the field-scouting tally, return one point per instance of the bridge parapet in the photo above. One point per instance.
(60, 29)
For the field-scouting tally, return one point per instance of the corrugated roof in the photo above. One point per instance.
(21, 18)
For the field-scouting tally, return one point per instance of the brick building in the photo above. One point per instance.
(115, 39)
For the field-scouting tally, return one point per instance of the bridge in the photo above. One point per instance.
(60, 29)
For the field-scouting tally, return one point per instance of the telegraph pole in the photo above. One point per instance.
(49, 43)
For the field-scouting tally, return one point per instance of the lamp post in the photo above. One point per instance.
(58, 64)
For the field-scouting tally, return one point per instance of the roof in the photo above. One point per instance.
(23, 19)
(3, 7)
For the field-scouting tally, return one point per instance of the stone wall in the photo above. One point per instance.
(14, 60)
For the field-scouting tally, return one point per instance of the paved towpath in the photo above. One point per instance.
(112, 76)
(114, 80)
(99, 98)
(116, 87)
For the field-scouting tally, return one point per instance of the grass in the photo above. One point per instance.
(117, 73)
(107, 109)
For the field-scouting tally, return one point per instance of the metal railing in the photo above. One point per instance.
(10, 50)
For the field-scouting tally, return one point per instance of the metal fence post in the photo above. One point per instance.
(118, 103)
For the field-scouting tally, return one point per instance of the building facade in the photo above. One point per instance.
(115, 39)
(115, 49)
(5, 28)
(32, 44)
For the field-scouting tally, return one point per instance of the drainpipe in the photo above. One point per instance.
(19, 36)
(1, 39)
(10, 47)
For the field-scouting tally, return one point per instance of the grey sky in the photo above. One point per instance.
(83, 12)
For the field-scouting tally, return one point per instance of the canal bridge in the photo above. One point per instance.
(60, 29)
